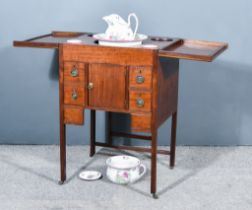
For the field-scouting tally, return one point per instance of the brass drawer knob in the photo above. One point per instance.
(74, 72)
(140, 79)
(140, 102)
(74, 95)
(90, 85)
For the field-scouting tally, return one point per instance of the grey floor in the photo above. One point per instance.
(204, 178)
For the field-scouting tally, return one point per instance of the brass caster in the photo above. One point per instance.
(154, 195)
(61, 182)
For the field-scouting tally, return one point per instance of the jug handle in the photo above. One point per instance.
(136, 19)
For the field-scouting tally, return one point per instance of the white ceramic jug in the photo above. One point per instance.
(119, 29)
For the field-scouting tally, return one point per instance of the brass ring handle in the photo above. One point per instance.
(140, 102)
(74, 95)
(74, 72)
(139, 79)
(90, 85)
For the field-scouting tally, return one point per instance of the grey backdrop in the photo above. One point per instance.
(215, 100)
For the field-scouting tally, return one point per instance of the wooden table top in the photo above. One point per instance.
(167, 46)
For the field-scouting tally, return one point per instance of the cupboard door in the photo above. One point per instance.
(107, 86)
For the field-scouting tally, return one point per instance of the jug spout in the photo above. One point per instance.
(115, 19)
(107, 20)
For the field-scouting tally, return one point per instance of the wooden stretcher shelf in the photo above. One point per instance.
(167, 47)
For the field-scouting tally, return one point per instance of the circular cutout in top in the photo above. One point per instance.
(89, 34)
(162, 39)
(96, 41)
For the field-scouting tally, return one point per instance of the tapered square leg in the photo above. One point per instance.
(62, 153)
(154, 164)
(92, 132)
(62, 124)
(110, 141)
(173, 139)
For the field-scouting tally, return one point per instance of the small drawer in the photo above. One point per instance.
(140, 101)
(140, 76)
(74, 71)
(141, 122)
(74, 95)
(73, 115)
